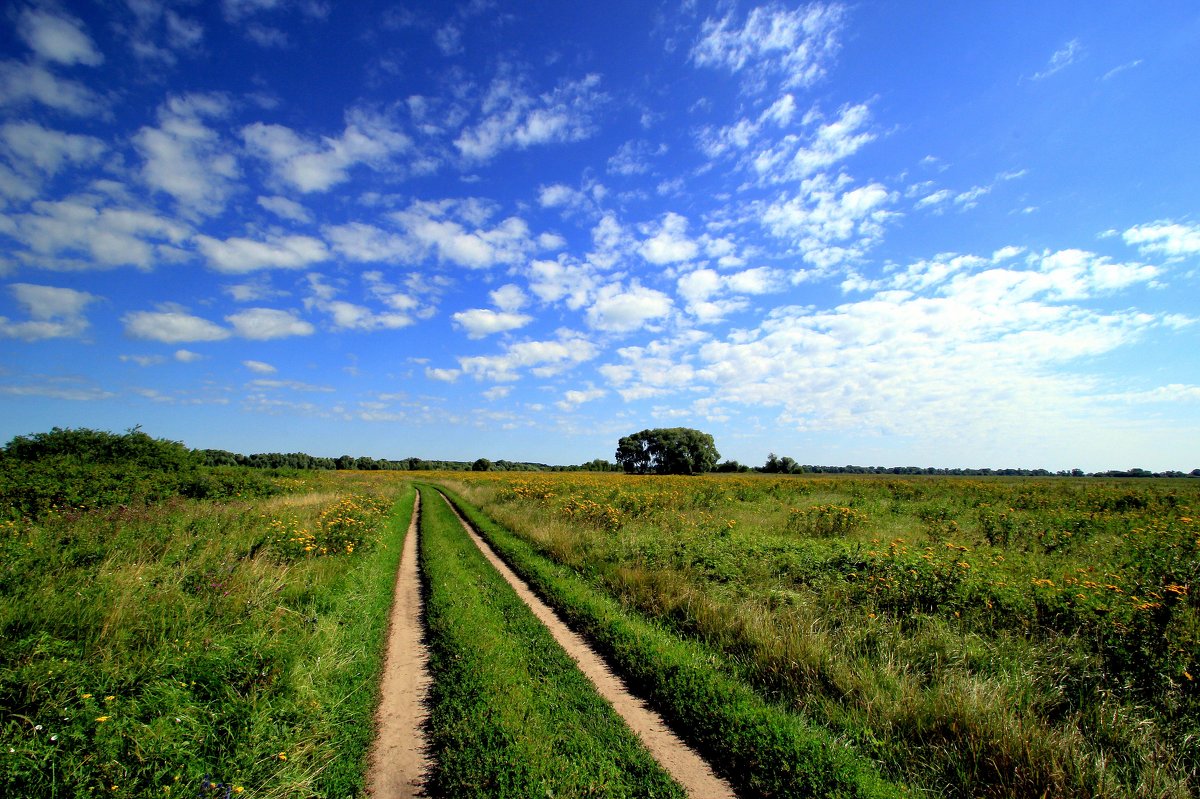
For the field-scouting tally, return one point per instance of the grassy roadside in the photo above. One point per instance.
(763, 749)
(195, 648)
(511, 714)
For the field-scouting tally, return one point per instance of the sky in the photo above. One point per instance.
(849, 233)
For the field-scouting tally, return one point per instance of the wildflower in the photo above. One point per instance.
(87, 696)
(101, 719)
(282, 755)
(238, 789)
(109, 698)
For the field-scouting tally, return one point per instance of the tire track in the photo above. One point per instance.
(681, 761)
(399, 760)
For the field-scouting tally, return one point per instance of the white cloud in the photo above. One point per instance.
(310, 165)
(261, 324)
(187, 356)
(58, 37)
(22, 83)
(552, 281)
(542, 358)
(53, 312)
(143, 360)
(830, 225)
(240, 255)
(171, 326)
(185, 158)
(1164, 237)
(574, 398)
(350, 316)
(455, 232)
(259, 367)
(934, 199)
(796, 158)
(1062, 58)
(514, 118)
(481, 322)
(81, 233)
(671, 243)
(48, 150)
(286, 209)
(620, 310)
(794, 46)
(442, 375)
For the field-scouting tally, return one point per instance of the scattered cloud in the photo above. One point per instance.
(794, 46)
(240, 255)
(312, 165)
(670, 244)
(259, 367)
(262, 324)
(1171, 239)
(53, 312)
(541, 358)
(185, 158)
(57, 37)
(21, 84)
(286, 209)
(171, 326)
(512, 117)
(1063, 57)
(617, 309)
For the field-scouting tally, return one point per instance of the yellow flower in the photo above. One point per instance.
(102, 719)
(87, 696)
(238, 789)
(109, 698)
(283, 755)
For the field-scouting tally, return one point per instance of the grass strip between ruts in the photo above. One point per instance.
(511, 714)
(763, 749)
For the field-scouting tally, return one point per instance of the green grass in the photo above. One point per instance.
(974, 637)
(512, 716)
(763, 749)
(158, 649)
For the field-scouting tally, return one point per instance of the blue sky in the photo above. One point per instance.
(847, 233)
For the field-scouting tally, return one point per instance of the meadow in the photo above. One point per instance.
(970, 637)
(196, 647)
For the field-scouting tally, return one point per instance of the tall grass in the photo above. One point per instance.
(975, 637)
(182, 647)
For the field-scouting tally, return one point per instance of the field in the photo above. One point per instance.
(819, 636)
(973, 637)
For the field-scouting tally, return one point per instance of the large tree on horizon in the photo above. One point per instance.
(667, 450)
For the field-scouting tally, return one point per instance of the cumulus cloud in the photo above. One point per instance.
(48, 150)
(185, 158)
(576, 397)
(286, 209)
(171, 325)
(58, 37)
(513, 118)
(261, 324)
(24, 83)
(793, 46)
(541, 358)
(83, 232)
(829, 222)
(1165, 237)
(240, 255)
(458, 233)
(312, 165)
(617, 309)
(53, 312)
(795, 157)
(670, 244)
(481, 322)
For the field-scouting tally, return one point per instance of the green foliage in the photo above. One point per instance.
(81, 469)
(673, 450)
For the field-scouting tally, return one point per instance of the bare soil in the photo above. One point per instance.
(399, 760)
(681, 761)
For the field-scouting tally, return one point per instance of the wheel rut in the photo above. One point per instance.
(399, 758)
(681, 761)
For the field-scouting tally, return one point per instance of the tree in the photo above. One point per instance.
(670, 450)
(481, 465)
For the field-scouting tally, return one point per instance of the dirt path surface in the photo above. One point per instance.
(398, 758)
(680, 760)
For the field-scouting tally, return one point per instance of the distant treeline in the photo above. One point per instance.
(774, 465)
(302, 460)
